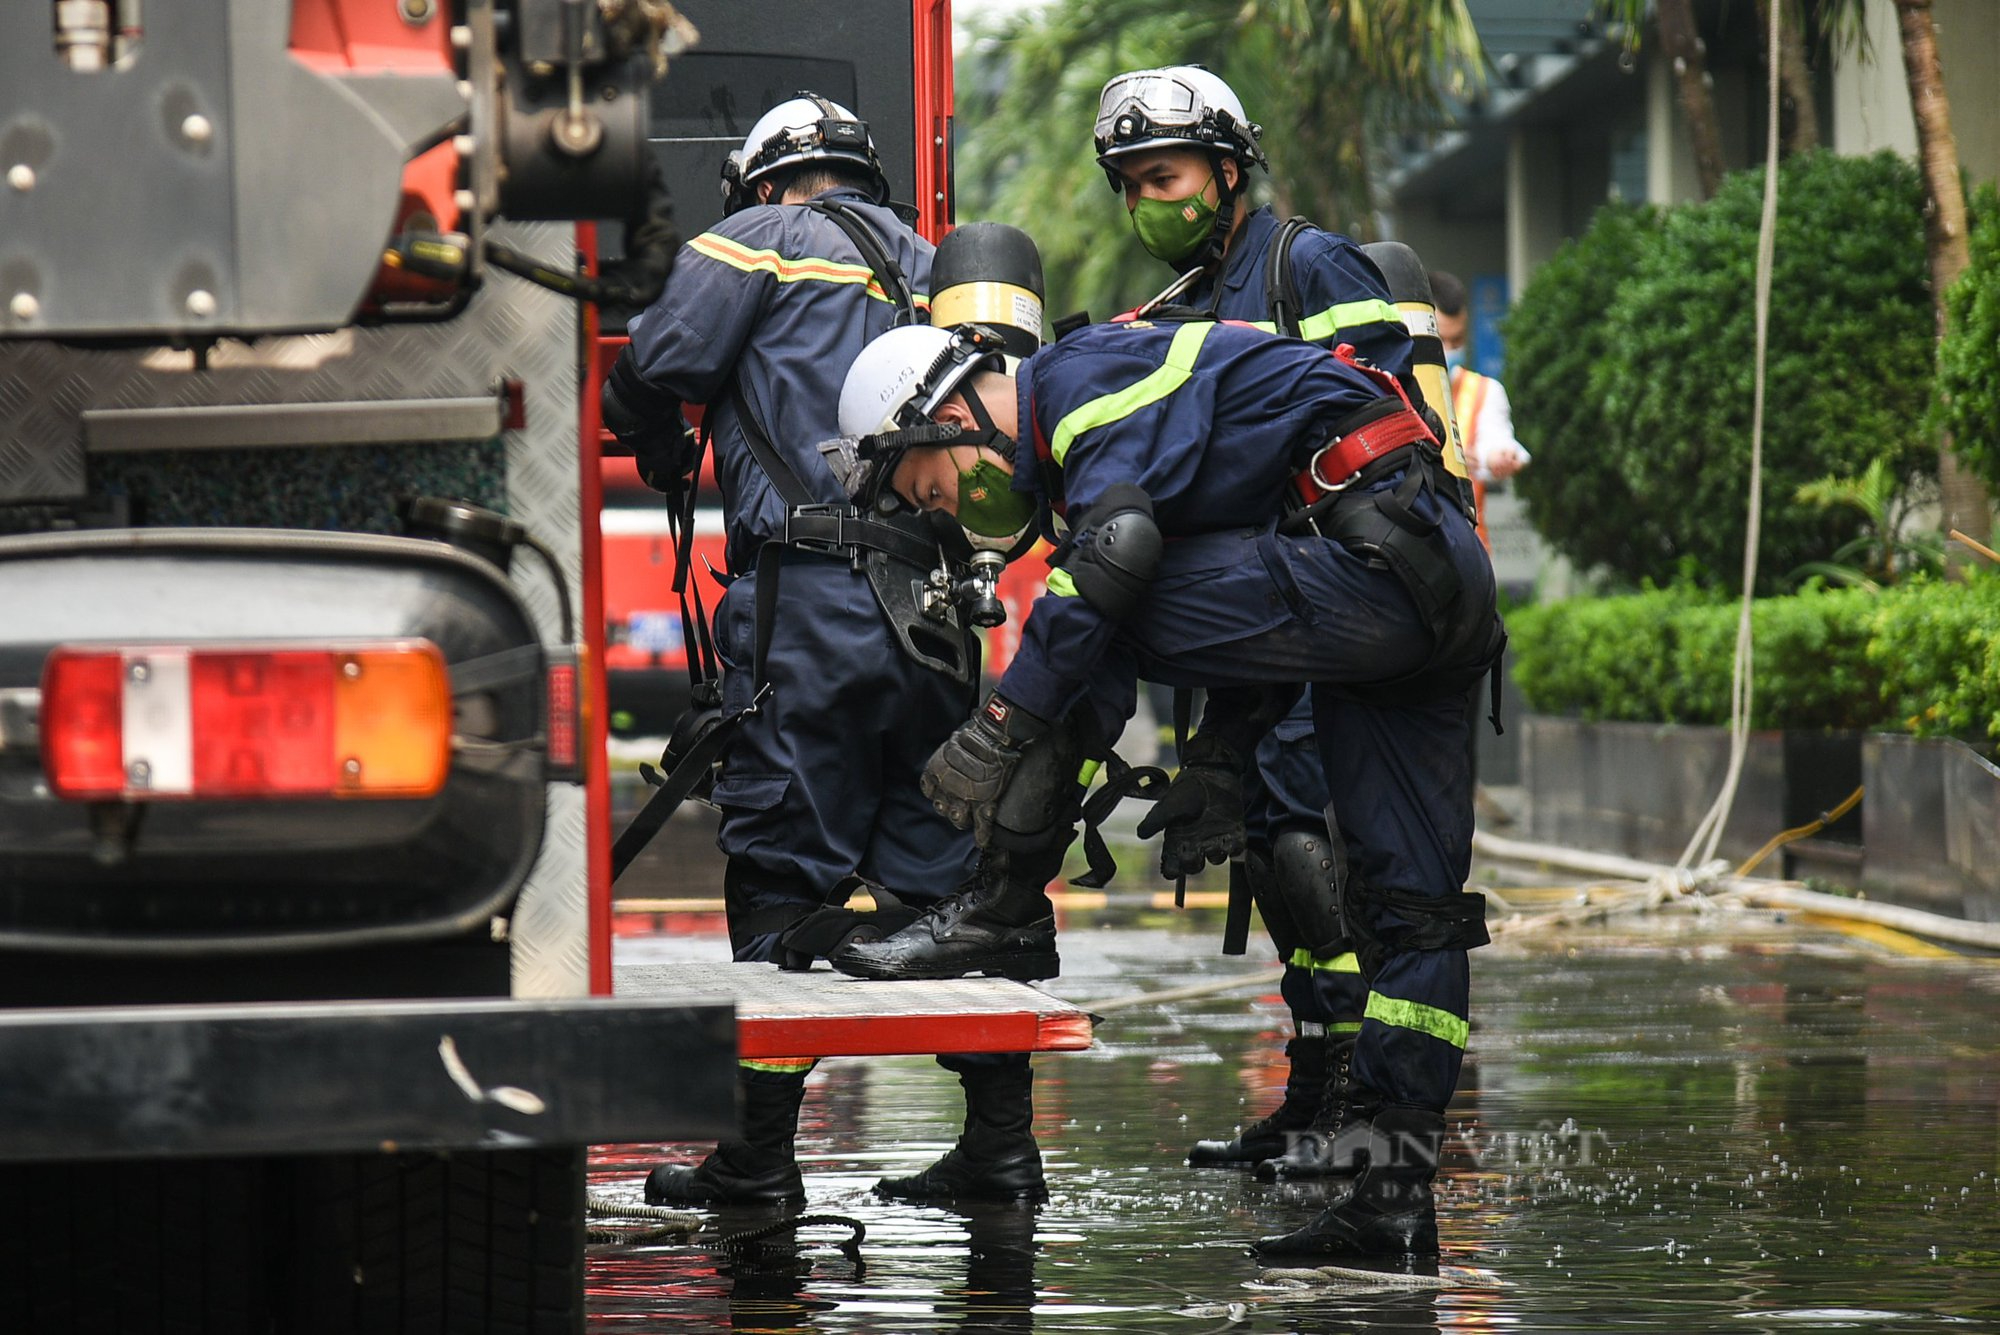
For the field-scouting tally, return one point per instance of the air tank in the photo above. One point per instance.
(991, 274)
(1410, 288)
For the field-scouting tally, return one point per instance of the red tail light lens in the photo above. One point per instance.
(563, 716)
(247, 722)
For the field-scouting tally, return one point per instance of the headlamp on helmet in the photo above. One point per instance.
(1182, 106)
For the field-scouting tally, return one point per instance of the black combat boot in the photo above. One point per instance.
(1335, 1144)
(1268, 1137)
(1000, 923)
(996, 1159)
(1390, 1210)
(758, 1169)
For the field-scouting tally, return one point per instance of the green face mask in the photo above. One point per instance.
(989, 507)
(1174, 229)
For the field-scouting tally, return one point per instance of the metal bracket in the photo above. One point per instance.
(240, 425)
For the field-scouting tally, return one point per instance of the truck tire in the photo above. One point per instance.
(471, 1242)
(144, 1247)
(490, 1241)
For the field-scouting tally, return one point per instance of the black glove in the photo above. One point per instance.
(822, 934)
(648, 421)
(965, 777)
(1202, 813)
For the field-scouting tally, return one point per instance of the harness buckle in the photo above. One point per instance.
(819, 544)
(1318, 479)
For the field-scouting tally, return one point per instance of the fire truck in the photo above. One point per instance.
(305, 1012)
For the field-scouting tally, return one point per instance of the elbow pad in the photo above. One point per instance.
(1117, 553)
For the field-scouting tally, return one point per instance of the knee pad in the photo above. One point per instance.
(1306, 875)
(1043, 798)
(1255, 869)
(1118, 552)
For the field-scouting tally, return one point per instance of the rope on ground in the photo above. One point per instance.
(1711, 887)
(1805, 831)
(649, 1223)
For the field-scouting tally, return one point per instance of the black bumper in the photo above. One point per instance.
(333, 1077)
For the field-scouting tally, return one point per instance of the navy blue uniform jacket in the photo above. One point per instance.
(1206, 418)
(791, 278)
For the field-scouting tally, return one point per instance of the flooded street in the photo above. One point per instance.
(1671, 1123)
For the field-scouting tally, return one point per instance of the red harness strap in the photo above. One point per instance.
(1335, 465)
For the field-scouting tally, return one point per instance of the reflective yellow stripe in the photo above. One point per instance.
(1415, 1015)
(1303, 958)
(804, 269)
(1468, 396)
(1086, 774)
(779, 1065)
(1120, 404)
(1345, 315)
(1060, 584)
(1343, 1026)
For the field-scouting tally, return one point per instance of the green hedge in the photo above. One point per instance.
(1641, 426)
(1968, 383)
(1575, 491)
(1921, 658)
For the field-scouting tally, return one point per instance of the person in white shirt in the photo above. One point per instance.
(1479, 402)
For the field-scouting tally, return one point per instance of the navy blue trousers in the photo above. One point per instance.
(1250, 607)
(822, 783)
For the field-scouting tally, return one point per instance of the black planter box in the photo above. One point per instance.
(1641, 788)
(1927, 834)
(1932, 826)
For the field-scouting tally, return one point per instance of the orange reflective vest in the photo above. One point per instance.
(1468, 396)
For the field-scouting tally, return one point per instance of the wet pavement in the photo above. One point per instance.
(1727, 1123)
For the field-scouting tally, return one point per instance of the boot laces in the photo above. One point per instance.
(1339, 1093)
(953, 906)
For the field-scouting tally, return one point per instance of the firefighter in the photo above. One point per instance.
(1245, 512)
(818, 785)
(1177, 145)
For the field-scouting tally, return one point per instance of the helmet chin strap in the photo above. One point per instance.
(989, 434)
(1226, 196)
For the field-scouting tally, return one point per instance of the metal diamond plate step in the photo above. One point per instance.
(827, 1014)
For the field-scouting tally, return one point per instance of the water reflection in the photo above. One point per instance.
(1670, 1128)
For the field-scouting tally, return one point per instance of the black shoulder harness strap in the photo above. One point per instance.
(1281, 288)
(895, 284)
(810, 525)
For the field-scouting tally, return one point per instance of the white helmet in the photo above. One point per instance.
(1181, 106)
(900, 378)
(804, 128)
(886, 403)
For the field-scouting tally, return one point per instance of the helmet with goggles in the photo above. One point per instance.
(1181, 106)
(805, 128)
(899, 379)
(886, 407)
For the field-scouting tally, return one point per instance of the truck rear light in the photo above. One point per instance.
(565, 716)
(247, 722)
